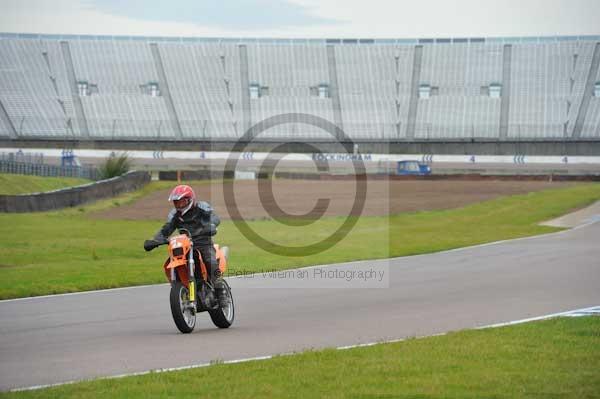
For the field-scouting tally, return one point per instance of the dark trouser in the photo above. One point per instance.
(209, 256)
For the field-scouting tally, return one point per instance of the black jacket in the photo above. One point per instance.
(201, 221)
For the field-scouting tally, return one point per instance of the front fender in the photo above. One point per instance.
(181, 270)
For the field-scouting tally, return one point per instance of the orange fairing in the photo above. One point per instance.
(221, 259)
(179, 247)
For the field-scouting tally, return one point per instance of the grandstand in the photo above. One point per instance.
(492, 95)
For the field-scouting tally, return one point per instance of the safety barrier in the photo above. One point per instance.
(73, 196)
(204, 174)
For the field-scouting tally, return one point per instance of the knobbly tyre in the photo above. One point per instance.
(191, 294)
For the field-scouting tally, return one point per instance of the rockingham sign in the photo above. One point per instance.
(319, 156)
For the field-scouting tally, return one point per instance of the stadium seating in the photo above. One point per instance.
(147, 88)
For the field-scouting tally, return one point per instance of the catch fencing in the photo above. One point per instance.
(40, 169)
(20, 156)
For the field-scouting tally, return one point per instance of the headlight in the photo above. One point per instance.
(177, 251)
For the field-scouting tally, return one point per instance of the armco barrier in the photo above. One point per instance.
(74, 196)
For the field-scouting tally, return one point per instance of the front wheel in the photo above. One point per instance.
(223, 316)
(182, 309)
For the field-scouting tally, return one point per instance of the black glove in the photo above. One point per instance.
(149, 245)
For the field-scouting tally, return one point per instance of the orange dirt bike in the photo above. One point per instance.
(191, 295)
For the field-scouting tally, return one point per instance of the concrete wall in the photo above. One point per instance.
(466, 147)
(73, 196)
(204, 174)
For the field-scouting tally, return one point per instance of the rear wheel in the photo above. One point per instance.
(184, 314)
(223, 316)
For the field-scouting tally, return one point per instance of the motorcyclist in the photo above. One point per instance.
(199, 218)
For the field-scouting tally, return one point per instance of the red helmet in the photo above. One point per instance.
(183, 198)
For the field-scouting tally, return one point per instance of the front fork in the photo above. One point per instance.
(192, 280)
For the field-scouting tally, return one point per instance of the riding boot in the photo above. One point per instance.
(220, 290)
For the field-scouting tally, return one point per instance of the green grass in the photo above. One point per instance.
(557, 358)
(23, 184)
(67, 251)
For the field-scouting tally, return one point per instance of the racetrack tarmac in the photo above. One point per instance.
(72, 337)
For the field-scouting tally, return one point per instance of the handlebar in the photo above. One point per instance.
(149, 245)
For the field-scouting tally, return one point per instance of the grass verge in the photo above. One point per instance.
(67, 251)
(12, 184)
(557, 358)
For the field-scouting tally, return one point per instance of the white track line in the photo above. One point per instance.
(80, 293)
(590, 222)
(577, 312)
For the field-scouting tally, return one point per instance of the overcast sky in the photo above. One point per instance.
(303, 18)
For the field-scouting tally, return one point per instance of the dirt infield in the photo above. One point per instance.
(298, 197)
